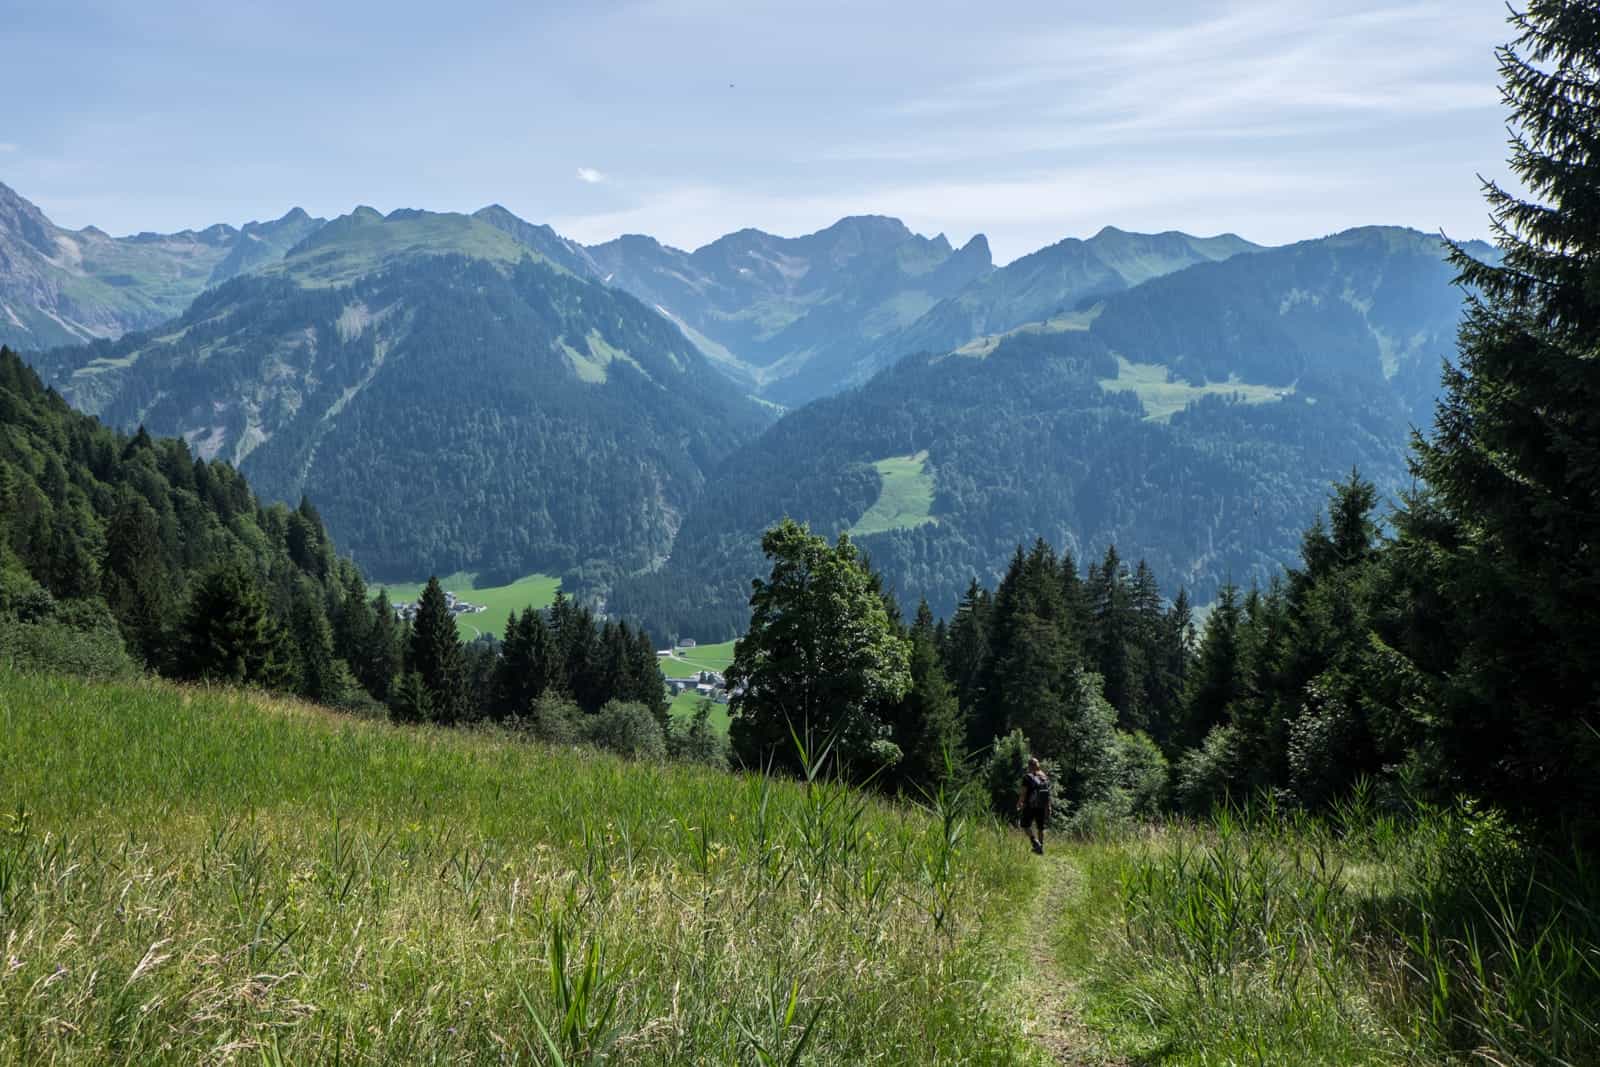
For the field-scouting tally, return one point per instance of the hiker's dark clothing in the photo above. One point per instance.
(1035, 800)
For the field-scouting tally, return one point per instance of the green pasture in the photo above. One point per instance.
(905, 500)
(1162, 398)
(534, 590)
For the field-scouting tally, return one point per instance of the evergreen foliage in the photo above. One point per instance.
(1499, 549)
(434, 655)
(129, 550)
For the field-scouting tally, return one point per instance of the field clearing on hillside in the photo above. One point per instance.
(204, 876)
(684, 706)
(1162, 398)
(534, 590)
(906, 499)
(700, 658)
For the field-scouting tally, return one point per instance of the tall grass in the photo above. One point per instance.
(207, 876)
(1268, 937)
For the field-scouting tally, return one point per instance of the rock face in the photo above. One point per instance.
(62, 287)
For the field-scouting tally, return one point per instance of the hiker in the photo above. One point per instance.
(1034, 803)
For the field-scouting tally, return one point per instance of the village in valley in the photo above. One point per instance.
(407, 610)
(705, 683)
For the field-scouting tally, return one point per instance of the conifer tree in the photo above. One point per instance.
(1214, 681)
(927, 723)
(435, 655)
(1507, 526)
(135, 577)
(229, 633)
(966, 656)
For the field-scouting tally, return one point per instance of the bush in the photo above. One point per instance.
(1002, 775)
(556, 720)
(1204, 774)
(627, 729)
(77, 637)
(1142, 773)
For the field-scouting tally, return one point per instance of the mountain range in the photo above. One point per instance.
(451, 399)
(1196, 421)
(478, 392)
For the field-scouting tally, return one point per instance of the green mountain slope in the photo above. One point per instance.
(1195, 420)
(62, 286)
(477, 411)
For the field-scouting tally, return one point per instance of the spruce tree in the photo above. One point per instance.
(1214, 681)
(229, 633)
(435, 655)
(1507, 527)
(927, 724)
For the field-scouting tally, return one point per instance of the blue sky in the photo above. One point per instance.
(1028, 121)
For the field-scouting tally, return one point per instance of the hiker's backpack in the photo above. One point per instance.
(1039, 797)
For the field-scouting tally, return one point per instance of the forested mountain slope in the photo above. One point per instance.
(1050, 282)
(453, 402)
(1195, 421)
(61, 286)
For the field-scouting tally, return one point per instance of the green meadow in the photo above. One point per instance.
(905, 500)
(535, 590)
(700, 658)
(684, 706)
(209, 876)
(1163, 398)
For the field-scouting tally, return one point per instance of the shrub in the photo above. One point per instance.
(1204, 773)
(42, 634)
(1002, 775)
(627, 729)
(556, 720)
(1142, 773)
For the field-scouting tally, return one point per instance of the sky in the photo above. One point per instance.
(685, 119)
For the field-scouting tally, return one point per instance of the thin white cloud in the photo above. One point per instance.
(590, 176)
(7, 146)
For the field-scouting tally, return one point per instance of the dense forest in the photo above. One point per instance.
(121, 553)
(1042, 434)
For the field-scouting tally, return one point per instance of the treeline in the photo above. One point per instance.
(126, 553)
(1359, 670)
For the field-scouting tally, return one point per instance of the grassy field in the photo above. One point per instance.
(684, 706)
(536, 590)
(700, 658)
(906, 499)
(358, 244)
(1162, 398)
(191, 876)
(1277, 938)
